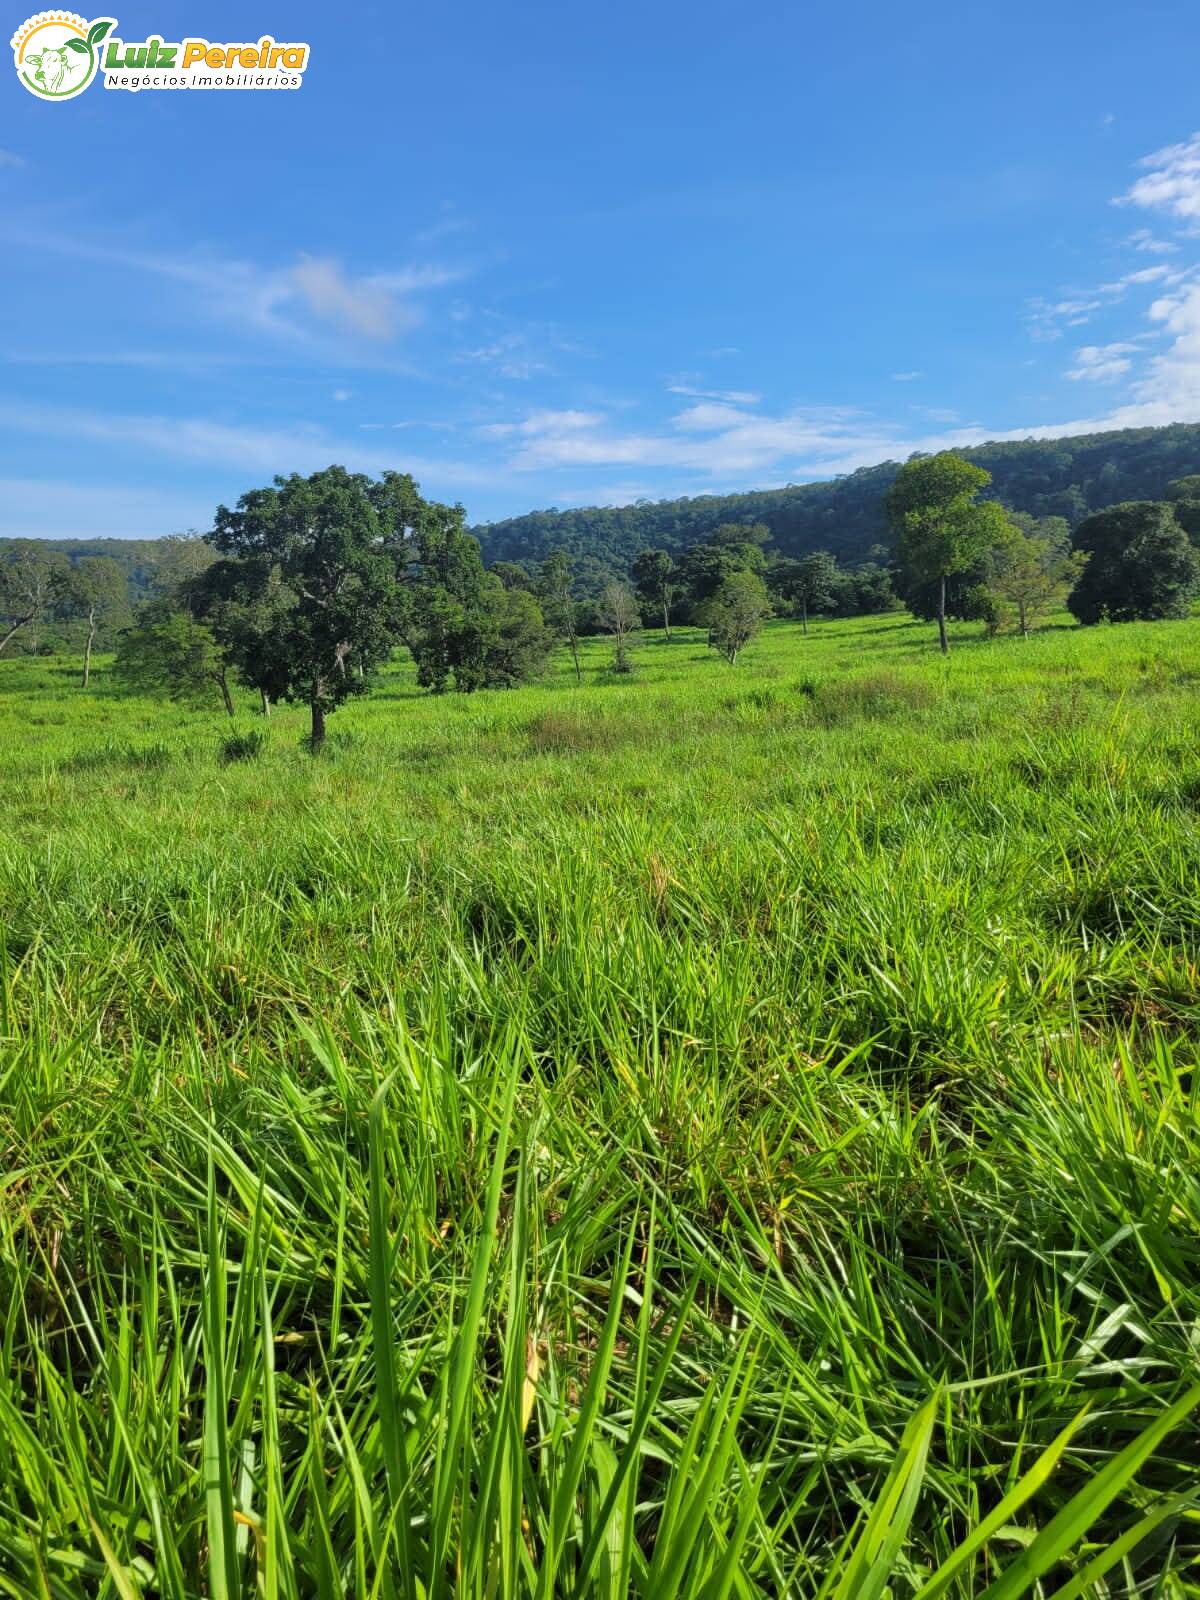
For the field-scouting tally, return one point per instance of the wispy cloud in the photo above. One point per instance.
(241, 448)
(906, 377)
(510, 355)
(10, 158)
(544, 424)
(733, 397)
(311, 297)
(1142, 239)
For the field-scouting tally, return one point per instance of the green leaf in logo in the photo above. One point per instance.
(77, 44)
(97, 31)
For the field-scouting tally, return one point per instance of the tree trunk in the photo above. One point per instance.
(574, 643)
(317, 737)
(14, 630)
(945, 643)
(667, 620)
(266, 702)
(223, 685)
(1024, 623)
(804, 617)
(87, 649)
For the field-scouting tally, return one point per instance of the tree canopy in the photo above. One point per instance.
(1140, 564)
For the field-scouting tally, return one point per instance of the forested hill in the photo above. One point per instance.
(1054, 477)
(1057, 477)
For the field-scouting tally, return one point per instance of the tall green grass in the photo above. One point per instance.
(731, 1132)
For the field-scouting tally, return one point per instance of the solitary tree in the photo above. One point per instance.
(810, 583)
(516, 639)
(32, 587)
(95, 590)
(558, 602)
(1140, 563)
(941, 525)
(736, 613)
(324, 537)
(169, 653)
(1034, 568)
(620, 616)
(653, 574)
(704, 569)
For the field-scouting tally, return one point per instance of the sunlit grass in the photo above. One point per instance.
(606, 1140)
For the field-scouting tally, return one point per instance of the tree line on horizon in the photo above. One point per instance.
(1069, 478)
(309, 584)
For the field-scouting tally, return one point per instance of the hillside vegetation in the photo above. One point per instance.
(1043, 478)
(602, 1139)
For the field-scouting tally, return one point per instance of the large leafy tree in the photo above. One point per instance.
(653, 574)
(1140, 564)
(323, 540)
(941, 525)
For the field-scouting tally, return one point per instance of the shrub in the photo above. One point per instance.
(243, 746)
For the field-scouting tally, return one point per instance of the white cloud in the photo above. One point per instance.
(906, 377)
(1171, 183)
(733, 397)
(10, 158)
(1142, 275)
(708, 416)
(539, 424)
(1101, 363)
(341, 394)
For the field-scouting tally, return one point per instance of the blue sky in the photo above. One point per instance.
(555, 255)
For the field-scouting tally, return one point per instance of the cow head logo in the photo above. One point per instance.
(57, 53)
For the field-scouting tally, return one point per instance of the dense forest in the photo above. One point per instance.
(1067, 478)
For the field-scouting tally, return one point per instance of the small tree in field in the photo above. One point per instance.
(736, 613)
(941, 525)
(1034, 568)
(558, 602)
(620, 616)
(324, 537)
(168, 653)
(810, 583)
(653, 574)
(95, 590)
